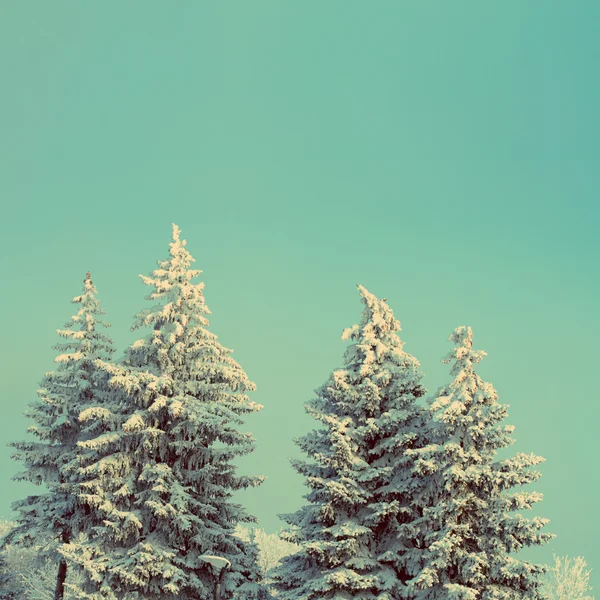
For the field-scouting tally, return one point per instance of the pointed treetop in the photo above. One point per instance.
(375, 337)
(172, 283)
(89, 290)
(462, 335)
(87, 316)
(177, 241)
(88, 283)
(463, 352)
(377, 315)
(181, 257)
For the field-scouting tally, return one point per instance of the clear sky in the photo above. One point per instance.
(443, 154)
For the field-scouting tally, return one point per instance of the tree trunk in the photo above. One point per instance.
(59, 592)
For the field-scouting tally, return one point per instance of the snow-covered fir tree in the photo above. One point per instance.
(51, 458)
(353, 533)
(180, 400)
(471, 525)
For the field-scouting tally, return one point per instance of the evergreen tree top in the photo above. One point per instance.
(179, 255)
(180, 300)
(377, 318)
(84, 339)
(180, 335)
(72, 386)
(463, 352)
(468, 406)
(377, 344)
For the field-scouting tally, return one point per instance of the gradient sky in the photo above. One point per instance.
(443, 154)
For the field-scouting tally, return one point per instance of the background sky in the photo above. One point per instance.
(443, 154)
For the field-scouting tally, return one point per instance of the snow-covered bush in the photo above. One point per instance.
(567, 579)
(271, 547)
(22, 575)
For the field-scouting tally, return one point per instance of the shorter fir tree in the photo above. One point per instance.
(54, 517)
(471, 526)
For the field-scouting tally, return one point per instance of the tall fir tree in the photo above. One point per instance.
(54, 517)
(471, 526)
(164, 477)
(353, 533)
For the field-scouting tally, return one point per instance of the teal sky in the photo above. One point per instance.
(443, 154)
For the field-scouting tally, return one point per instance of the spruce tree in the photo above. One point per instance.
(53, 517)
(354, 531)
(179, 401)
(471, 525)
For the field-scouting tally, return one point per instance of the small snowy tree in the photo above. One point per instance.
(271, 547)
(254, 586)
(10, 588)
(353, 532)
(53, 517)
(23, 576)
(470, 526)
(567, 579)
(182, 399)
